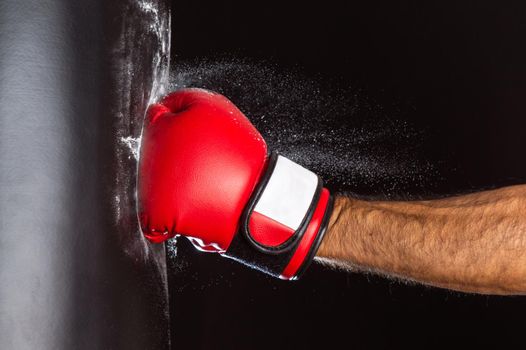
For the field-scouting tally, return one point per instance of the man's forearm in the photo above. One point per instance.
(474, 243)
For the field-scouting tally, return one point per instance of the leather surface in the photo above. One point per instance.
(200, 161)
(266, 231)
(75, 273)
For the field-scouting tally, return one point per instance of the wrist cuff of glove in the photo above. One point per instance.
(284, 221)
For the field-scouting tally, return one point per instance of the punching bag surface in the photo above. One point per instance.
(75, 80)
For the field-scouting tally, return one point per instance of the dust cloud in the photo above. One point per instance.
(350, 141)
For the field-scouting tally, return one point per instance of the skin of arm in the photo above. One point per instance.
(472, 243)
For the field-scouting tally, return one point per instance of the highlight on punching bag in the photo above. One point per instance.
(76, 78)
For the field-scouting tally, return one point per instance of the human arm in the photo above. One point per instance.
(472, 243)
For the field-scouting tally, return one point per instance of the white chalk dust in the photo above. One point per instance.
(337, 132)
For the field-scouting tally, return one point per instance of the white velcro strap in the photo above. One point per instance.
(288, 194)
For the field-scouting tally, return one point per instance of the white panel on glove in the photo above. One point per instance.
(288, 194)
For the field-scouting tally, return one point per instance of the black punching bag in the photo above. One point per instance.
(75, 80)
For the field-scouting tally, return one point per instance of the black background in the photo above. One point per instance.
(460, 68)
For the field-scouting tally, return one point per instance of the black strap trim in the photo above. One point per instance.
(242, 251)
(319, 238)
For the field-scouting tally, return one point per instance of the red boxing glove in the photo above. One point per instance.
(205, 173)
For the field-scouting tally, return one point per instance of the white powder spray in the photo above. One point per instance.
(141, 51)
(338, 133)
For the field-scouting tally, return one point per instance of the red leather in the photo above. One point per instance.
(200, 160)
(308, 237)
(267, 231)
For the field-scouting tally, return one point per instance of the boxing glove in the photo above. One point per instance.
(205, 173)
